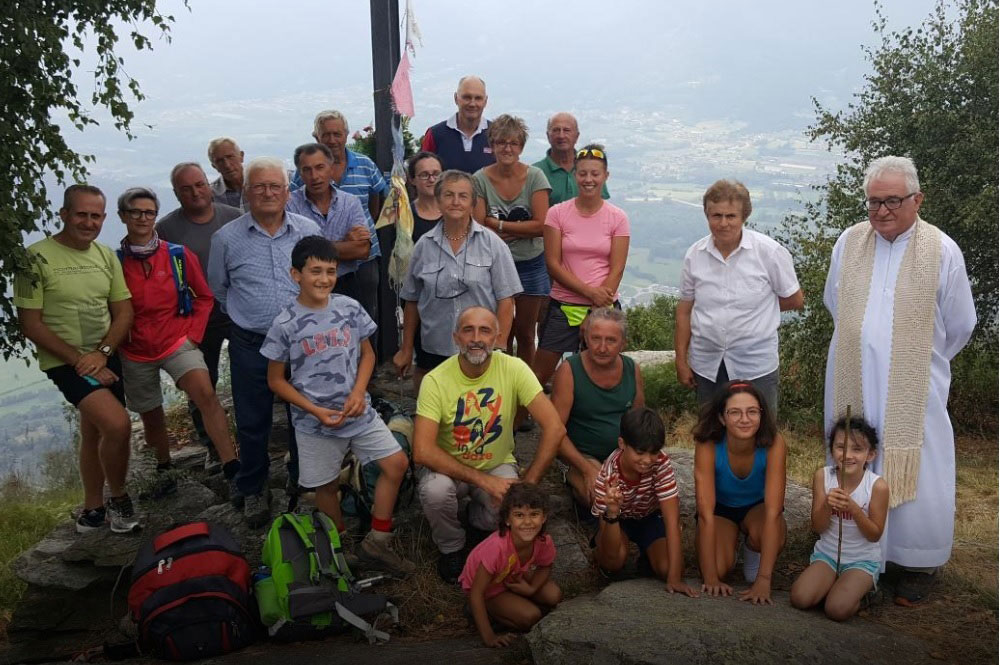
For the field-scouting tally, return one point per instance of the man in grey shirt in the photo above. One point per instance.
(192, 225)
(225, 156)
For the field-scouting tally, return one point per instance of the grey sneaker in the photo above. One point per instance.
(381, 553)
(121, 514)
(90, 520)
(257, 508)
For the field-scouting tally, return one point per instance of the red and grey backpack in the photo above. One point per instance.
(190, 594)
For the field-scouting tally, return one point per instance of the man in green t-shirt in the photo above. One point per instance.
(74, 305)
(559, 162)
(463, 435)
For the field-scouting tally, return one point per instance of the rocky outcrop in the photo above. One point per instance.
(638, 623)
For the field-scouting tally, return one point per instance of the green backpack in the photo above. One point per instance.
(311, 592)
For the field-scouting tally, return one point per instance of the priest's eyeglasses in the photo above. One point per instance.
(891, 203)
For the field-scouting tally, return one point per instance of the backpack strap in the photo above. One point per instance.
(314, 565)
(329, 535)
(373, 634)
(178, 266)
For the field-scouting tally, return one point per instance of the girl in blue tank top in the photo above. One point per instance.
(739, 482)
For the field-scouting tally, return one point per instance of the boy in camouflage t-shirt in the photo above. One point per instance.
(321, 338)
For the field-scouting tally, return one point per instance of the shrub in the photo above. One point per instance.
(665, 394)
(651, 326)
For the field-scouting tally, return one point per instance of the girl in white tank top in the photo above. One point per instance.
(862, 506)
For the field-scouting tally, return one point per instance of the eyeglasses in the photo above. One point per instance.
(429, 176)
(507, 144)
(891, 203)
(752, 413)
(592, 152)
(136, 214)
(272, 187)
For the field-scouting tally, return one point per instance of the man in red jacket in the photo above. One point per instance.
(172, 302)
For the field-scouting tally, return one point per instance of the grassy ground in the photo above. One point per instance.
(27, 516)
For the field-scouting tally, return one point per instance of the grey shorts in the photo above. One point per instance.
(321, 457)
(142, 380)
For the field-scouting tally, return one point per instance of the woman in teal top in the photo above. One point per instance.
(739, 485)
(512, 200)
(591, 392)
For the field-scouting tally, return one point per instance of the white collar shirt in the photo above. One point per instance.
(452, 122)
(735, 316)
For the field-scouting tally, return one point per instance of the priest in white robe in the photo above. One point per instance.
(902, 307)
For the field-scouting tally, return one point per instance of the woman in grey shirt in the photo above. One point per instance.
(456, 265)
(513, 201)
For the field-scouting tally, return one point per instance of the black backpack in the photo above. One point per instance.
(190, 594)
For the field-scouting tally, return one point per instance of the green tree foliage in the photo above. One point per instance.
(932, 95)
(41, 46)
(651, 326)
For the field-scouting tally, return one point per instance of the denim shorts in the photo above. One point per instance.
(870, 567)
(534, 276)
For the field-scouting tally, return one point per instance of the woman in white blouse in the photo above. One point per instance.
(735, 283)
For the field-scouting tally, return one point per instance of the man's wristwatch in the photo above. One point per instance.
(610, 520)
(105, 349)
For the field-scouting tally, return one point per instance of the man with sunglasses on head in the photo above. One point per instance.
(193, 224)
(559, 163)
(902, 308)
(457, 264)
(249, 270)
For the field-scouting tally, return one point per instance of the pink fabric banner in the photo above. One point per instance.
(402, 95)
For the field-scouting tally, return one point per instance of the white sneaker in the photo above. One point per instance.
(751, 564)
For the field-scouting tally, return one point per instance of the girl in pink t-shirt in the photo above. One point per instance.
(506, 577)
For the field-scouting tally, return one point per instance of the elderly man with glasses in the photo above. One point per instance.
(734, 284)
(249, 272)
(902, 308)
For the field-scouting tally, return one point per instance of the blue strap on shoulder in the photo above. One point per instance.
(177, 265)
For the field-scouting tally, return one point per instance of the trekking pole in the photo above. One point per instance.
(840, 482)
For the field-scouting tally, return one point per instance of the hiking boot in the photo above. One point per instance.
(213, 464)
(379, 552)
(164, 485)
(121, 514)
(450, 566)
(914, 587)
(236, 498)
(257, 509)
(91, 519)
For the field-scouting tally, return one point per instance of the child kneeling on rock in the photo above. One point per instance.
(846, 561)
(321, 341)
(506, 577)
(636, 499)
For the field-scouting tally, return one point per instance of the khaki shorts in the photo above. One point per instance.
(142, 380)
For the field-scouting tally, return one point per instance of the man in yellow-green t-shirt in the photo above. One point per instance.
(464, 437)
(74, 305)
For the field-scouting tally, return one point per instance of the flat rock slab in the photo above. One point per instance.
(636, 622)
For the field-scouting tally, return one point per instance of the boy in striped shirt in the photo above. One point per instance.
(636, 499)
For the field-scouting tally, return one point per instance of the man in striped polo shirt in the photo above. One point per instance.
(355, 174)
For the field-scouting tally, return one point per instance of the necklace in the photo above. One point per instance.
(456, 239)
